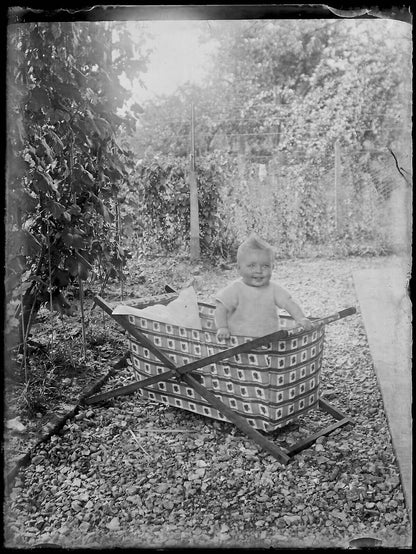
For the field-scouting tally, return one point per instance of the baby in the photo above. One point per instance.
(248, 306)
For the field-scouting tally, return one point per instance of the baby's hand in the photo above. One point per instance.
(223, 333)
(306, 323)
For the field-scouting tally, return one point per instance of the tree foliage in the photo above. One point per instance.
(165, 203)
(64, 164)
(282, 93)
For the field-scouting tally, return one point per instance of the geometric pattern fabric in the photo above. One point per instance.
(269, 386)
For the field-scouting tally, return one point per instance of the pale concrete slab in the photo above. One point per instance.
(386, 310)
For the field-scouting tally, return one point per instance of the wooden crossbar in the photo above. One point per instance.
(238, 420)
(325, 406)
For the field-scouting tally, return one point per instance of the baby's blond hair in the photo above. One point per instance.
(253, 242)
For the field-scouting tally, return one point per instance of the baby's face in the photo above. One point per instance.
(255, 268)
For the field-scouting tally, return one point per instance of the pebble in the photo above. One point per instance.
(292, 519)
(76, 506)
(84, 526)
(132, 490)
(114, 524)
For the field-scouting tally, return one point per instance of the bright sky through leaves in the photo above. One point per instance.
(177, 56)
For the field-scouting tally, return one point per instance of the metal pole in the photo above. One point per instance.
(192, 137)
(194, 208)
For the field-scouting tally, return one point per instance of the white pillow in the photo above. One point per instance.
(182, 311)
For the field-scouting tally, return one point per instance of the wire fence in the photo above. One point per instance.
(297, 194)
(357, 195)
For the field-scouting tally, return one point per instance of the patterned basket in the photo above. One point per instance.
(270, 386)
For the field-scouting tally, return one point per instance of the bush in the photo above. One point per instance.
(165, 204)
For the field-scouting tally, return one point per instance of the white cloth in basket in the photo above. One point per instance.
(182, 311)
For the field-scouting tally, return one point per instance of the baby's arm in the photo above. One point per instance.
(221, 321)
(296, 312)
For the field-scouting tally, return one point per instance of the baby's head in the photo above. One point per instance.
(255, 260)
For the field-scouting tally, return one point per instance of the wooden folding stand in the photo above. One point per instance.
(184, 374)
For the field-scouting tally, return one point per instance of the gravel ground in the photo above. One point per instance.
(133, 473)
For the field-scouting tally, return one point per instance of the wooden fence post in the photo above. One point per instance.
(338, 188)
(194, 207)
